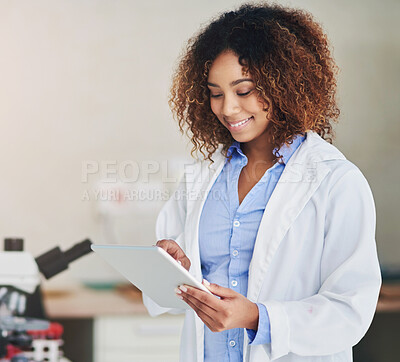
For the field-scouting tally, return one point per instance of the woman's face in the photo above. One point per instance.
(234, 99)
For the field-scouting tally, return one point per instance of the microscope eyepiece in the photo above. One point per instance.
(13, 244)
(55, 261)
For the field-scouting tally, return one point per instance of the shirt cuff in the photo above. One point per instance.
(263, 334)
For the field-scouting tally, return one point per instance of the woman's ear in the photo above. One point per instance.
(267, 106)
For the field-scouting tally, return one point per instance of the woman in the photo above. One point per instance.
(279, 222)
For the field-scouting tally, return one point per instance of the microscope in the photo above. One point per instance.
(25, 334)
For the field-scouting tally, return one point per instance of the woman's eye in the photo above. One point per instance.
(240, 94)
(244, 93)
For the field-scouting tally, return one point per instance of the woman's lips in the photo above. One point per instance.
(238, 126)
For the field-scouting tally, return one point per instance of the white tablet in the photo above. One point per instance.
(152, 270)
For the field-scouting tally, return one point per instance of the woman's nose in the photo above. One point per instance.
(230, 106)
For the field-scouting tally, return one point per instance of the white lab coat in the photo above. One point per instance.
(314, 264)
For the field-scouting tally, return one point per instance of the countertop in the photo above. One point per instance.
(84, 302)
(389, 298)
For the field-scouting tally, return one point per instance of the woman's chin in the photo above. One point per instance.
(243, 137)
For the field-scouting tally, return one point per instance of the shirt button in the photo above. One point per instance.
(232, 343)
(236, 223)
(234, 283)
(235, 253)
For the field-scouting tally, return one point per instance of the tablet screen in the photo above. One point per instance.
(152, 270)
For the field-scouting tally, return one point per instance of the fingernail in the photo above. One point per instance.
(183, 288)
(179, 262)
(178, 291)
(206, 282)
(179, 296)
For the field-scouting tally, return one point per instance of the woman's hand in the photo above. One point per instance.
(231, 310)
(173, 249)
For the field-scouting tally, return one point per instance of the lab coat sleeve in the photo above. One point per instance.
(170, 225)
(339, 315)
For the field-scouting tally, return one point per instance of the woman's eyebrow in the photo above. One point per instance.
(235, 82)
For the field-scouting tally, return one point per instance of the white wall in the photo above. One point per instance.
(87, 81)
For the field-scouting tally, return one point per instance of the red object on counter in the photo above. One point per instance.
(55, 331)
(12, 351)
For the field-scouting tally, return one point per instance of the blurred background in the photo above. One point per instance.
(88, 144)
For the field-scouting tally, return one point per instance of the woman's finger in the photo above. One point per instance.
(199, 304)
(221, 291)
(209, 321)
(201, 297)
(173, 249)
(184, 260)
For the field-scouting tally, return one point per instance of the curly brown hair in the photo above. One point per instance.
(288, 57)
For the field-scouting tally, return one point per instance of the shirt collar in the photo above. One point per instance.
(286, 151)
(234, 150)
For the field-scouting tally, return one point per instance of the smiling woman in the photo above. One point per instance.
(293, 268)
(235, 102)
(286, 55)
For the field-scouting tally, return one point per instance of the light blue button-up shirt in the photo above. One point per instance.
(227, 235)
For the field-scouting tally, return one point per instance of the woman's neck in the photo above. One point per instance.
(258, 150)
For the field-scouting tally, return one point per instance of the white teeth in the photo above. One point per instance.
(240, 123)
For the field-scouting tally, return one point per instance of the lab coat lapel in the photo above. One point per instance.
(199, 187)
(300, 179)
